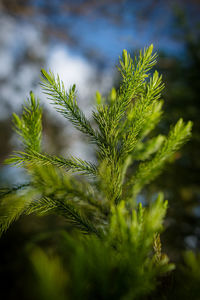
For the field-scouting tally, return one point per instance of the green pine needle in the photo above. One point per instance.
(35, 158)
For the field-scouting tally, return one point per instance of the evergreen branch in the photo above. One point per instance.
(114, 148)
(29, 126)
(133, 85)
(133, 74)
(142, 112)
(85, 198)
(110, 180)
(144, 150)
(66, 103)
(50, 180)
(153, 119)
(149, 170)
(33, 157)
(67, 210)
(6, 191)
(11, 209)
(130, 139)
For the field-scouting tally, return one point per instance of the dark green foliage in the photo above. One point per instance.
(120, 254)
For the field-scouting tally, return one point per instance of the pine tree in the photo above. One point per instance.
(119, 255)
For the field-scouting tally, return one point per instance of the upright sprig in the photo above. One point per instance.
(108, 117)
(66, 103)
(29, 126)
(149, 170)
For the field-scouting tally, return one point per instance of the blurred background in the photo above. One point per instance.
(82, 40)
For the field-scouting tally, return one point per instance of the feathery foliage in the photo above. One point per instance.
(29, 126)
(123, 247)
(65, 102)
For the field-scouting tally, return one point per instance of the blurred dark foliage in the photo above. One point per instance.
(181, 181)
